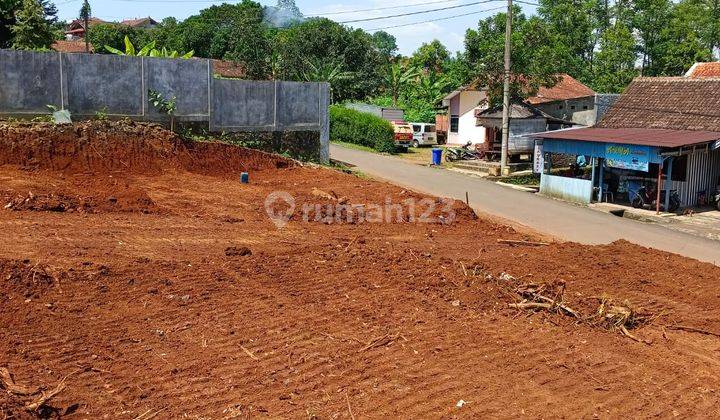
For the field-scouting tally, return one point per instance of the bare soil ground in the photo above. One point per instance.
(141, 276)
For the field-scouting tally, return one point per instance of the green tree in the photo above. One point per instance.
(385, 43)
(31, 31)
(535, 62)
(229, 31)
(8, 10)
(319, 39)
(431, 57)
(571, 31)
(680, 43)
(113, 35)
(615, 62)
(649, 17)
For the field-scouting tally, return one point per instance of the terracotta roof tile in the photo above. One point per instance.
(77, 46)
(566, 88)
(229, 69)
(139, 22)
(671, 103)
(704, 70)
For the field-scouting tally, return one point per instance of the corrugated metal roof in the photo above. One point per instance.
(641, 136)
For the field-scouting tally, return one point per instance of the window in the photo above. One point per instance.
(679, 168)
(560, 107)
(417, 128)
(572, 106)
(454, 122)
(585, 107)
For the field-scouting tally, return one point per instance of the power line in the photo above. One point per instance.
(378, 8)
(435, 20)
(419, 12)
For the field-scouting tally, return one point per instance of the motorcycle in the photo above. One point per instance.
(716, 198)
(646, 198)
(453, 154)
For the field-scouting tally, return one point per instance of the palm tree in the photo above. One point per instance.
(397, 78)
(85, 13)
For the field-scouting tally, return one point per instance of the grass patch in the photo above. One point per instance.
(524, 180)
(355, 146)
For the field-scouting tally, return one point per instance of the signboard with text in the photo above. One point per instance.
(628, 156)
(538, 159)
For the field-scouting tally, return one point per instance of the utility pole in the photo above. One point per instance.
(85, 13)
(504, 169)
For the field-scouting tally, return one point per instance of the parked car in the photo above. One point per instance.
(424, 134)
(403, 134)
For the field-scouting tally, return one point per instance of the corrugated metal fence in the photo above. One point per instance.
(703, 174)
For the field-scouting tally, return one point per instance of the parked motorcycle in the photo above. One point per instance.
(716, 198)
(646, 198)
(453, 154)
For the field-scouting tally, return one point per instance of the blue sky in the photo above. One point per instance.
(450, 32)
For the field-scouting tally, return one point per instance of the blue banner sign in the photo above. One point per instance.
(628, 156)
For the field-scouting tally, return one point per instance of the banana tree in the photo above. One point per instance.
(148, 50)
(397, 78)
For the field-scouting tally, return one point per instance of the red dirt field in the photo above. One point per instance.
(137, 271)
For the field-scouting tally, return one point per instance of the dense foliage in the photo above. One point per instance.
(31, 30)
(351, 126)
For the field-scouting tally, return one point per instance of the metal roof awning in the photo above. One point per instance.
(640, 136)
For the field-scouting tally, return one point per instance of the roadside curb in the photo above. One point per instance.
(516, 187)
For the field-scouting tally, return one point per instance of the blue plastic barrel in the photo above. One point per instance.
(244, 177)
(436, 156)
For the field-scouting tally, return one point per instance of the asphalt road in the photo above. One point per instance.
(559, 219)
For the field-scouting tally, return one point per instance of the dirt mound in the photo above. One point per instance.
(131, 201)
(33, 280)
(33, 192)
(28, 280)
(124, 146)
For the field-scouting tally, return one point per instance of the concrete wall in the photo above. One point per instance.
(29, 82)
(95, 82)
(118, 85)
(580, 111)
(187, 80)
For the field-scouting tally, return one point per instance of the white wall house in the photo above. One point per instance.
(461, 105)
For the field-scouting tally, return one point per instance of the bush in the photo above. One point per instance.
(351, 126)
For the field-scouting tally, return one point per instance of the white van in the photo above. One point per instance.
(424, 134)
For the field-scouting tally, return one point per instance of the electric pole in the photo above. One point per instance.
(85, 13)
(504, 169)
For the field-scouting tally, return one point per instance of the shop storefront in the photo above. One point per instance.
(629, 166)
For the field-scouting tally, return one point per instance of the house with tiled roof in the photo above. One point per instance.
(76, 29)
(711, 69)
(568, 100)
(142, 23)
(663, 133)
